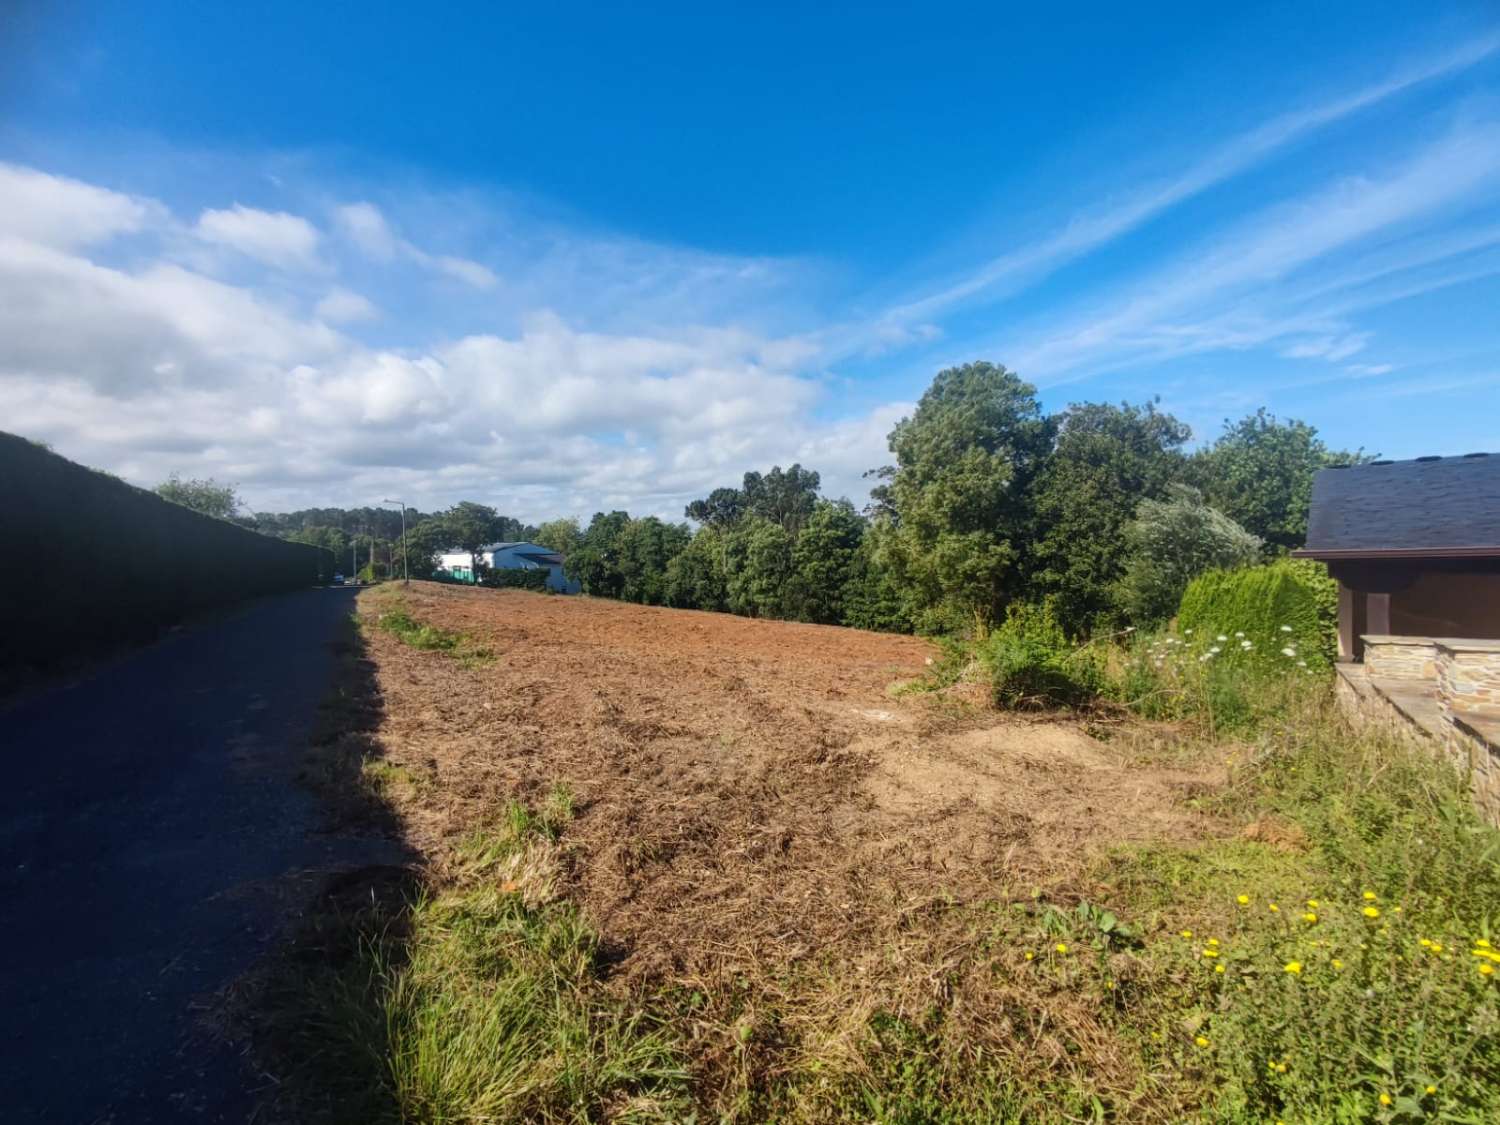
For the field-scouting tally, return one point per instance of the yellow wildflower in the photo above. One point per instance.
(1486, 970)
(1029, 955)
(1210, 953)
(1337, 964)
(1218, 968)
(1243, 900)
(1480, 943)
(1275, 909)
(1201, 1041)
(1187, 933)
(1424, 943)
(1293, 967)
(1312, 902)
(1309, 917)
(1213, 941)
(1432, 1089)
(1369, 896)
(1061, 947)
(1372, 912)
(1385, 1099)
(1437, 947)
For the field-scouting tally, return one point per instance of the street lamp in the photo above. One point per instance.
(405, 567)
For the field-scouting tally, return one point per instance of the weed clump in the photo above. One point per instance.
(1031, 664)
(405, 628)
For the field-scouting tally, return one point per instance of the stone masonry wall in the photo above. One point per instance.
(1465, 733)
(1401, 658)
(1468, 676)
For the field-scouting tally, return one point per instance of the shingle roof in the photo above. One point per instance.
(1430, 506)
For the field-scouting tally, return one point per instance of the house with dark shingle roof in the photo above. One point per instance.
(1415, 547)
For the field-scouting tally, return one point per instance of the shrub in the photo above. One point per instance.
(1169, 543)
(1031, 663)
(506, 578)
(1281, 609)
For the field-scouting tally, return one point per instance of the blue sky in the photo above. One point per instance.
(566, 257)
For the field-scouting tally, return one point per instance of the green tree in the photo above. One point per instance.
(206, 496)
(823, 562)
(645, 548)
(1259, 473)
(758, 567)
(330, 538)
(873, 598)
(695, 576)
(563, 536)
(722, 508)
(426, 539)
(1169, 543)
(1106, 460)
(596, 562)
(782, 497)
(964, 464)
(471, 527)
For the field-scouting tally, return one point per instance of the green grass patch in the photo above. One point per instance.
(415, 634)
(482, 1002)
(1340, 973)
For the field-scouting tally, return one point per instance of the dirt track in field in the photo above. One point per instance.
(747, 792)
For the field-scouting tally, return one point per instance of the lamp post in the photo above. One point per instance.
(405, 567)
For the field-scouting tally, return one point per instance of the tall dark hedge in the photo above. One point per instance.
(87, 560)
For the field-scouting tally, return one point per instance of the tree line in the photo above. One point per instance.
(1097, 510)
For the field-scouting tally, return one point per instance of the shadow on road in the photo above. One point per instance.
(313, 1011)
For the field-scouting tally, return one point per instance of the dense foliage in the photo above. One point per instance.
(989, 503)
(1277, 608)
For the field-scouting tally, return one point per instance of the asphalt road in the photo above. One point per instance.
(150, 824)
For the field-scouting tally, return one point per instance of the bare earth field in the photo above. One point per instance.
(752, 797)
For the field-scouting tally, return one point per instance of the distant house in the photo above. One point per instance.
(1415, 547)
(512, 556)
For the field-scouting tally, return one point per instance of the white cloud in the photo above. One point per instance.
(1331, 348)
(274, 238)
(366, 226)
(344, 306)
(64, 213)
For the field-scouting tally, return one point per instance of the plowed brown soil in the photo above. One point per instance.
(748, 793)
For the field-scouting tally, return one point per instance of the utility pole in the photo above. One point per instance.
(405, 567)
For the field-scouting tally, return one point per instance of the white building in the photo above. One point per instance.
(511, 556)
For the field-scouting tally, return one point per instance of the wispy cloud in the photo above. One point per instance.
(1087, 232)
(1225, 294)
(367, 227)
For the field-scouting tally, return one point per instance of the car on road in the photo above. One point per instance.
(338, 580)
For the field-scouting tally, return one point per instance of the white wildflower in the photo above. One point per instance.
(1215, 651)
(1289, 651)
(1246, 644)
(1301, 664)
(1239, 634)
(1286, 628)
(1187, 632)
(1221, 637)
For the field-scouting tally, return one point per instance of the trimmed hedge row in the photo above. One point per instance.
(87, 560)
(508, 578)
(1259, 600)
